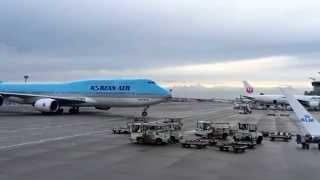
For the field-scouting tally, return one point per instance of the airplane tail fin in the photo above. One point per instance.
(248, 89)
(310, 124)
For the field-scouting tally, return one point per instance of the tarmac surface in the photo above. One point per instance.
(82, 147)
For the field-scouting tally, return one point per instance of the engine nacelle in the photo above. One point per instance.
(314, 104)
(1, 100)
(46, 105)
(106, 108)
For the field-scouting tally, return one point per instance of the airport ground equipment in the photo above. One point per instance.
(150, 133)
(284, 115)
(198, 143)
(227, 145)
(249, 145)
(121, 130)
(265, 133)
(244, 109)
(175, 125)
(236, 106)
(204, 129)
(233, 147)
(307, 140)
(210, 130)
(280, 136)
(271, 114)
(248, 133)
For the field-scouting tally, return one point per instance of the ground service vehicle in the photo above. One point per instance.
(248, 132)
(149, 133)
(210, 130)
(175, 125)
(245, 109)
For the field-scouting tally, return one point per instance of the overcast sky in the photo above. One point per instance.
(207, 43)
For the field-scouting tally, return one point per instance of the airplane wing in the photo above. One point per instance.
(310, 124)
(62, 100)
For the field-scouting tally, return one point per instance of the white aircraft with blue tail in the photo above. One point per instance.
(310, 126)
(101, 94)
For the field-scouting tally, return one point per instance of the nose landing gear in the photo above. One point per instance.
(144, 112)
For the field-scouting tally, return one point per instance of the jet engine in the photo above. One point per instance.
(1, 100)
(46, 105)
(314, 104)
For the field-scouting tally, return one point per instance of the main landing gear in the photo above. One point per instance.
(144, 112)
(74, 110)
(60, 111)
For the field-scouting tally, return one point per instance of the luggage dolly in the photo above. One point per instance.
(198, 143)
(233, 147)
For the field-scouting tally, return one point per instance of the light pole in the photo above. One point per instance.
(26, 77)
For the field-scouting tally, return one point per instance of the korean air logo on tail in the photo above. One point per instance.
(249, 90)
(307, 119)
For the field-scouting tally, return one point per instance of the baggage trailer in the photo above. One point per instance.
(232, 147)
(228, 144)
(280, 136)
(198, 143)
(121, 130)
(249, 145)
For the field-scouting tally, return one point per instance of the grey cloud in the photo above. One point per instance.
(56, 36)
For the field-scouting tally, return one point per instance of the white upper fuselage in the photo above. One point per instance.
(281, 99)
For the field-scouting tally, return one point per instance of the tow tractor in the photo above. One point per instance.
(248, 134)
(245, 109)
(204, 129)
(175, 125)
(150, 133)
(306, 140)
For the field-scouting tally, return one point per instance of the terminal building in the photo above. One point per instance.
(316, 89)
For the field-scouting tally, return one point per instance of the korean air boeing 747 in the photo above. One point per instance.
(101, 94)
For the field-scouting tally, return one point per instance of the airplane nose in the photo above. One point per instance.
(166, 93)
(169, 94)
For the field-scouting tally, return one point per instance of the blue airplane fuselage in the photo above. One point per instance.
(104, 93)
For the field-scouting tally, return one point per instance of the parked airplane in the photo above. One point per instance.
(310, 125)
(309, 101)
(101, 94)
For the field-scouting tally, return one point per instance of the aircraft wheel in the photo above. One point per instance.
(77, 110)
(158, 141)
(140, 140)
(74, 110)
(144, 114)
(60, 111)
(71, 111)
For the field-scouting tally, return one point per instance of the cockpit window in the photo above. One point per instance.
(151, 82)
